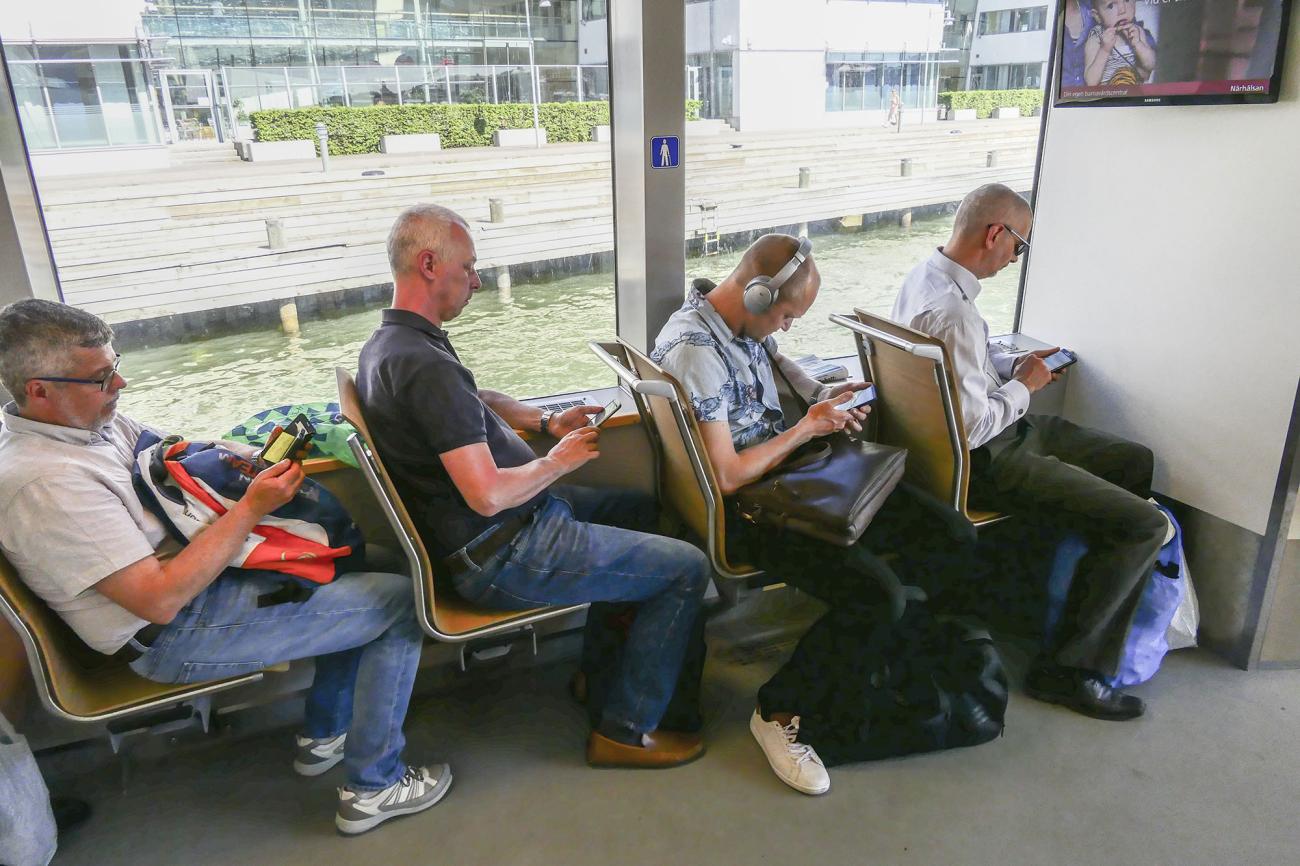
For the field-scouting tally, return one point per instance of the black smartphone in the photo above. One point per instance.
(605, 414)
(288, 442)
(860, 399)
(1060, 360)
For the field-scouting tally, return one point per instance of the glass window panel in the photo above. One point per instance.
(29, 93)
(78, 114)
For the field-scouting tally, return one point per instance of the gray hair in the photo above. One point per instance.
(985, 206)
(421, 226)
(36, 337)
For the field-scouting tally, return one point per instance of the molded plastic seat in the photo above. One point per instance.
(919, 407)
(685, 476)
(443, 614)
(75, 682)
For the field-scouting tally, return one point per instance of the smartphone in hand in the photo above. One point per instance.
(606, 413)
(1060, 360)
(860, 399)
(288, 442)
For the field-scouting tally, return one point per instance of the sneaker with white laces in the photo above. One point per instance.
(794, 763)
(417, 790)
(315, 756)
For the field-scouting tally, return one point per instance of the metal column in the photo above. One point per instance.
(647, 50)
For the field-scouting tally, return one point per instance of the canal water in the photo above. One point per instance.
(531, 347)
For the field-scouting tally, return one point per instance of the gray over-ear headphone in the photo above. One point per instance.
(761, 292)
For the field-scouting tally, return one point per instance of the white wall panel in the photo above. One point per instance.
(1165, 252)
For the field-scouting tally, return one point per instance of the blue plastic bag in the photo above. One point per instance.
(1146, 643)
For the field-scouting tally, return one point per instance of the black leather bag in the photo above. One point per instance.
(828, 489)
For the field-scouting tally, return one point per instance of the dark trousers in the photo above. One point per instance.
(1069, 478)
(860, 588)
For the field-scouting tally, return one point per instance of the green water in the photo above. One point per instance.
(532, 347)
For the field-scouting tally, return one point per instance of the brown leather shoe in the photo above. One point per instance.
(661, 749)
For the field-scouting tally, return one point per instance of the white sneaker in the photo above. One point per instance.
(317, 756)
(794, 763)
(416, 791)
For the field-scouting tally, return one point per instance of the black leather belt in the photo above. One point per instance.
(144, 637)
(474, 556)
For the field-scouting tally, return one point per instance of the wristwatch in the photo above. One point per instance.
(545, 426)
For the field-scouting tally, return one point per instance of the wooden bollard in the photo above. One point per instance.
(275, 234)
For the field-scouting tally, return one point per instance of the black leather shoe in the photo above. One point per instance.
(1083, 692)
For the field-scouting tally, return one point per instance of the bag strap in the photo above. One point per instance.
(777, 371)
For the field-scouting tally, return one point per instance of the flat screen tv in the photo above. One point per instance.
(1170, 52)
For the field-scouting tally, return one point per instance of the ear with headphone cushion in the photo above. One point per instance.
(762, 291)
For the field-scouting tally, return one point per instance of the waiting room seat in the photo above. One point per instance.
(919, 407)
(443, 614)
(684, 476)
(75, 682)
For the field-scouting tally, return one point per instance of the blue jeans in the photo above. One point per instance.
(362, 630)
(569, 555)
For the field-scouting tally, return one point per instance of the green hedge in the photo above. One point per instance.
(693, 107)
(358, 130)
(984, 101)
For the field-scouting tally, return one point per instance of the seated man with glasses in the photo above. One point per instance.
(74, 529)
(1041, 467)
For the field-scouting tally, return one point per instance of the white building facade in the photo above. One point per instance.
(774, 64)
(1011, 44)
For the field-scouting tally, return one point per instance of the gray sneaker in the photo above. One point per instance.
(316, 756)
(416, 791)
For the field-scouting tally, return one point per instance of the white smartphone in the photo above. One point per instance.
(605, 414)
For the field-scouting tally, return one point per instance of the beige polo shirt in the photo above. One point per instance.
(69, 517)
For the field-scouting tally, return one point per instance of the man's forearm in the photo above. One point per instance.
(518, 415)
(519, 484)
(755, 462)
(206, 556)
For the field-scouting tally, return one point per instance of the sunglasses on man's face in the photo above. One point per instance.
(1021, 243)
(102, 382)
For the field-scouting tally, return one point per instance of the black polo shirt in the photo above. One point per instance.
(421, 401)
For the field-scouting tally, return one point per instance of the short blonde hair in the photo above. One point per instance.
(420, 227)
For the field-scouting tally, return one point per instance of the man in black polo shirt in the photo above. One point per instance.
(507, 537)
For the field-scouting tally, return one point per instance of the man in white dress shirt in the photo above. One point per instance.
(1043, 468)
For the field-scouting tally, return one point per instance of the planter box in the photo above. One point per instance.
(964, 114)
(1005, 112)
(278, 151)
(518, 138)
(414, 143)
(600, 133)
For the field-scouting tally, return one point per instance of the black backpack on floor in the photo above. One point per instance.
(884, 689)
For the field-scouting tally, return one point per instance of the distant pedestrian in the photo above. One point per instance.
(895, 109)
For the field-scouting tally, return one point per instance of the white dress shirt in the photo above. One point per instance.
(938, 298)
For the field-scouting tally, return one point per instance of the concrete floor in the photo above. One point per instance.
(1211, 776)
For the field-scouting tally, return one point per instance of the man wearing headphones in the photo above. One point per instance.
(719, 346)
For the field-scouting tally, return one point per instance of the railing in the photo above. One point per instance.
(340, 24)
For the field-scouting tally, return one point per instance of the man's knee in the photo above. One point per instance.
(696, 571)
(391, 592)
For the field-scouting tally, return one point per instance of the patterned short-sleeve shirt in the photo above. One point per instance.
(726, 377)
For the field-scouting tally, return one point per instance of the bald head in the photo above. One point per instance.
(766, 256)
(421, 227)
(991, 204)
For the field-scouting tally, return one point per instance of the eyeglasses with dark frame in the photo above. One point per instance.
(102, 382)
(1021, 243)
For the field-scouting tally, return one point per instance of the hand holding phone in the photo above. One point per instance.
(605, 414)
(1059, 360)
(288, 442)
(860, 398)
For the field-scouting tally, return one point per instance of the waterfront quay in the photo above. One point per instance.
(214, 235)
